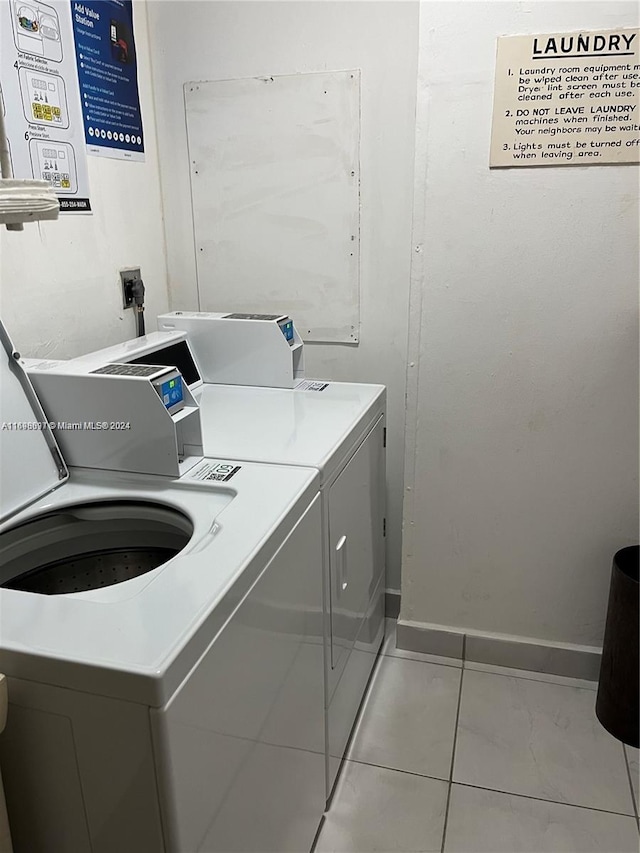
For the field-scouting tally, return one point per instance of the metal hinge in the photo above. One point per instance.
(384, 436)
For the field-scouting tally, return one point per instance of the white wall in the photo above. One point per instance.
(221, 40)
(60, 291)
(522, 439)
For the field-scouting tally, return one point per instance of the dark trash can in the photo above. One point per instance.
(617, 702)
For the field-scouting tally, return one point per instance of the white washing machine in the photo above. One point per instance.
(337, 428)
(157, 632)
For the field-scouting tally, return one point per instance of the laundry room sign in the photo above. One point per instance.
(567, 99)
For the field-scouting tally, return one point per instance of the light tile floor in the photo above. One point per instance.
(447, 758)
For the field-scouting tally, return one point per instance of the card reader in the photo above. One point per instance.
(169, 388)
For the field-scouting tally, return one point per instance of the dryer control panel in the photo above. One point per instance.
(241, 349)
(286, 327)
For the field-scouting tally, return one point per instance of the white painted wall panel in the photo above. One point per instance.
(274, 165)
(253, 39)
(522, 428)
(60, 291)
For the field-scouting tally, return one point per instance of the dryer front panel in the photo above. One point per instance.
(356, 544)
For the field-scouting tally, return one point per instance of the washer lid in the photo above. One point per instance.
(31, 464)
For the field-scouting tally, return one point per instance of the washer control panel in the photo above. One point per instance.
(166, 380)
(170, 391)
(129, 370)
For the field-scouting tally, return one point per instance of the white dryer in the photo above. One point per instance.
(157, 633)
(339, 429)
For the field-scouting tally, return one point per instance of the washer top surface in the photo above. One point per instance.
(138, 640)
(289, 426)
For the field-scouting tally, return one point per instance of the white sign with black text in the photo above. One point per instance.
(567, 99)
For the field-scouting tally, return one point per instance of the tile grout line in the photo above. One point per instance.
(543, 800)
(528, 677)
(633, 793)
(453, 751)
(397, 770)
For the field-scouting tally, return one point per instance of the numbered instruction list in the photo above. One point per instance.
(40, 100)
(567, 99)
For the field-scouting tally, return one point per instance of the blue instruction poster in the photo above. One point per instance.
(108, 78)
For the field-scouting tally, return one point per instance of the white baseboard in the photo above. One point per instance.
(430, 639)
(507, 650)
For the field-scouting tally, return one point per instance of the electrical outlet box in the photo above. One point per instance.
(127, 277)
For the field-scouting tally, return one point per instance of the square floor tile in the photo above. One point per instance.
(538, 739)
(634, 770)
(408, 720)
(389, 648)
(489, 822)
(375, 810)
